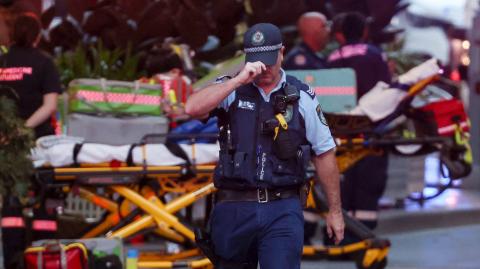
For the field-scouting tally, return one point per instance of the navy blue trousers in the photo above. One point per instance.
(249, 232)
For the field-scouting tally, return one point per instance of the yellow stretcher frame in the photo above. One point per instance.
(157, 212)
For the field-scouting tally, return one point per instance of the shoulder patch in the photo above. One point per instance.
(300, 59)
(322, 118)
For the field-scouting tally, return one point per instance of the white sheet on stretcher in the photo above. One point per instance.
(155, 154)
(382, 100)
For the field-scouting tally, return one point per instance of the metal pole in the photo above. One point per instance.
(474, 106)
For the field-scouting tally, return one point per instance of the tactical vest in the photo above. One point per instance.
(247, 159)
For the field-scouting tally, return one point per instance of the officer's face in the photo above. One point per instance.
(272, 73)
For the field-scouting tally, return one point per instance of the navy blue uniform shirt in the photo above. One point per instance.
(367, 61)
(301, 57)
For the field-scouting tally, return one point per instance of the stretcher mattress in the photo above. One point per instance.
(62, 155)
(383, 99)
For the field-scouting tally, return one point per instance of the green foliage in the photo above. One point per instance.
(16, 140)
(96, 61)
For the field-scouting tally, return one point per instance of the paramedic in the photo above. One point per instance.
(271, 124)
(35, 83)
(364, 183)
(366, 59)
(32, 75)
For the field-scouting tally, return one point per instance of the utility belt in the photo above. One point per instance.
(261, 195)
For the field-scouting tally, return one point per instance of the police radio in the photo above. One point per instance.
(280, 102)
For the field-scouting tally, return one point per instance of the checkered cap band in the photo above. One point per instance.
(263, 48)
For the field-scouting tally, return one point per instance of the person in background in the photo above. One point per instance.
(368, 61)
(260, 175)
(364, 183)
(32, 77)
(314, 31)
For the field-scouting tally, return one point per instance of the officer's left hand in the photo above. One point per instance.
(335, 225)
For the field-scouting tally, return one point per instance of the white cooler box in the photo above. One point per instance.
(115, 130)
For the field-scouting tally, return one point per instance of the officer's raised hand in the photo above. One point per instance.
(250, 71)
(205, 100)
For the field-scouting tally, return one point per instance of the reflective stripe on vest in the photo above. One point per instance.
(44, 225)
(13, 222)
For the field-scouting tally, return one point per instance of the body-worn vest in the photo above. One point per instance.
(248, 160)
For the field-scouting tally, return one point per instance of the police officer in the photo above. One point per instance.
(314, 31)
(364, 183)
(270, 127)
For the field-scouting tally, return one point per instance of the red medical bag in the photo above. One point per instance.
(442, 117)
(57, 256)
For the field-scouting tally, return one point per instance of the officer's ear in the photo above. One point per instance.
(281, 53)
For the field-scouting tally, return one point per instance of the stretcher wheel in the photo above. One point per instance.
(375, 265)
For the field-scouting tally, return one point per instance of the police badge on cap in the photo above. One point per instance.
(258, 39)
(262, 42)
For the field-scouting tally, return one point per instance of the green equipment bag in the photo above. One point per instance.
(101, 96)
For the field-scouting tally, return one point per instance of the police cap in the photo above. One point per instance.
(262, 42)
